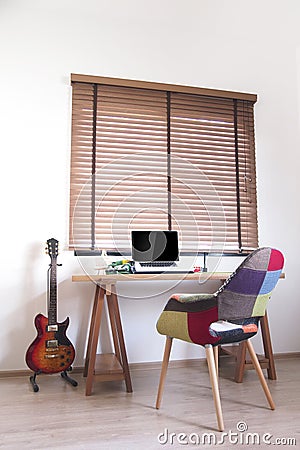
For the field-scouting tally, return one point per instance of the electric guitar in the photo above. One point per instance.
(51, 351)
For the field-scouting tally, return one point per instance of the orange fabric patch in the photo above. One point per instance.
(251, 328)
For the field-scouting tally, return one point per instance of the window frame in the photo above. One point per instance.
(236, 97)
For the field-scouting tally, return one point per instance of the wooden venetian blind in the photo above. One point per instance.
(156, 156)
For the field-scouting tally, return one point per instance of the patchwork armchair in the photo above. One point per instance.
(229, 315)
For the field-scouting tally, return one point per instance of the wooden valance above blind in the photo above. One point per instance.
(158, 156)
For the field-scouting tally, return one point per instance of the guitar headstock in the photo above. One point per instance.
(52, 248)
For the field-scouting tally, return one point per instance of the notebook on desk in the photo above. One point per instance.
(156, 251)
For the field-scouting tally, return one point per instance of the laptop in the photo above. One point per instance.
(155, 251)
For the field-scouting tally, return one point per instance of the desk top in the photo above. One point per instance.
(114, 278)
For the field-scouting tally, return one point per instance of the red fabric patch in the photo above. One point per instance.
(276, 260)
(198, 326)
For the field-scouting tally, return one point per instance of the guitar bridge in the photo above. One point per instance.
(51, 356)
(52, 343)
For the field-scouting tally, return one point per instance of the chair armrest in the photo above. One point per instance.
(188, 316)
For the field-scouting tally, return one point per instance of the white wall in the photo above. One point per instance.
(250, 46)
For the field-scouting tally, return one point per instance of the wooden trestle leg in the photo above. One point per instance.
(106, 367)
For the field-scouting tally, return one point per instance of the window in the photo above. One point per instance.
(157, 156)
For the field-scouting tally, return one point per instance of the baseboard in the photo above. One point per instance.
(178, 363)
(155, 365)
(27, 372)
(290, 355)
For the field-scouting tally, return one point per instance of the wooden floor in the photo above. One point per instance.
(60, 416)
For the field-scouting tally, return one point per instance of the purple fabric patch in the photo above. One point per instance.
(246, 281)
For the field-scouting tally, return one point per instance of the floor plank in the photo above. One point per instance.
(60, 416)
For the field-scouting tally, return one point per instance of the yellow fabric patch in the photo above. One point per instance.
(174, 324)
(260, 305)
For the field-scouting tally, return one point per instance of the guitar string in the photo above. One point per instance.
(48, 288)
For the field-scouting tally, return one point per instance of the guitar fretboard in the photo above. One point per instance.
(52, 307)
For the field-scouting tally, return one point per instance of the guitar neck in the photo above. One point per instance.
(52, 307)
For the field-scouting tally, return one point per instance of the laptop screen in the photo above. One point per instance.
(149, 246)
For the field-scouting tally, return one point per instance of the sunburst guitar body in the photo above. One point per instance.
(51, 351)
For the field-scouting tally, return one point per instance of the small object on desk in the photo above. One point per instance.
(110, 270)
(102, 263)
(119, 263)
(105, 258)
(101, 270)
(123, 266)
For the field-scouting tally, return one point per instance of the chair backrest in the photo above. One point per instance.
(246, 293)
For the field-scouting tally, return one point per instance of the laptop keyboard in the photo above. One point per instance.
(158, 264)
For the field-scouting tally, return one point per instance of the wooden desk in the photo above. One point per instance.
(108, 367)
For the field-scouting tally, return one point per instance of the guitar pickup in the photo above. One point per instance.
(52, 328)
(52, 343)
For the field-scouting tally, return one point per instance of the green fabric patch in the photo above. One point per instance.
(174, 324)
(187, 298)
(260, 305)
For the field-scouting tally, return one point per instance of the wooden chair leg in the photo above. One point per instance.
(266, 337)
(164, 369)
(260, 374)
(240, 362)
(216, 356)
(214, 384)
